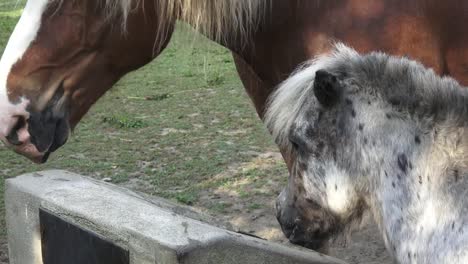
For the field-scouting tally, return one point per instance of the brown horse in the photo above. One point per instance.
(65, 54)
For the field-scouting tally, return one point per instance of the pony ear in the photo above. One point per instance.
(327, 88)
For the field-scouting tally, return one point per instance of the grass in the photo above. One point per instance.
(124, 121)
(188, 198)
(168, 129)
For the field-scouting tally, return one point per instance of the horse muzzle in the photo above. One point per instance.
(38, 135)
(299, 230)
(300, 236)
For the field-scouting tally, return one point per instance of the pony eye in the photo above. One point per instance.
(294, 141)
(298, 142)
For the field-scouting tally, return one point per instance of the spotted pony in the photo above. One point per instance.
(375, 135)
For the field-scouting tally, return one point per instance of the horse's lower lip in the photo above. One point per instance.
(30, 151)
(39, 159)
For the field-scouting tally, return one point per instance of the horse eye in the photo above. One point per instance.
(295, 141)
(294, 145)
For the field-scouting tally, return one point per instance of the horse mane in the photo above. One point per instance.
(403, 83)
(217, 19)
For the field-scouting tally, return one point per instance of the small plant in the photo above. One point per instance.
(188, 74)
(158, 97)
(187, 198)
(243, 194)
(220, 207)
(215, 79)
(124, 122)
(254, 206)
(119, 178)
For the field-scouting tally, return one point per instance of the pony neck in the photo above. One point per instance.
(419, 197)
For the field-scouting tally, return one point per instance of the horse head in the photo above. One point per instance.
(62, 56)
(65, 54)
(321, 199)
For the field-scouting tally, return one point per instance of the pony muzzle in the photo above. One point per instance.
(298, 228)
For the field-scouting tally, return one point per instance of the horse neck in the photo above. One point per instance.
(231, 23)
(419, 197)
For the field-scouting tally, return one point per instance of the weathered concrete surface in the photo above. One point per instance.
(152, 234)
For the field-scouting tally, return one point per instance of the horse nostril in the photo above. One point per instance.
(287, 227)
(12, 137)
(287, 230)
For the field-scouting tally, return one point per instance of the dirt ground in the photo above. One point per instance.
(366, 245)
(238, 214)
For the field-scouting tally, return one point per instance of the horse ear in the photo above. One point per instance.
(327, 88)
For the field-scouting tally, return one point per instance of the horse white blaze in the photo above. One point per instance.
(24, 34)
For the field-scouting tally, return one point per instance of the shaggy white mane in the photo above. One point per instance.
(415, 87)
(285, 103)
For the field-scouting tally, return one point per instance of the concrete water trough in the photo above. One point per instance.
(58, 217)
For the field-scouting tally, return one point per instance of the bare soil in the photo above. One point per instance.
(366, 245)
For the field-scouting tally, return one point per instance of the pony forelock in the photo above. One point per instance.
(285, 103)
(418, 89)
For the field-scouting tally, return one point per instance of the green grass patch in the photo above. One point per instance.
(220, 207)
(215, 79)
(119, 178)
(124, 122)
(187, 198)
(255, 206)
(243, 194)
(11, 14)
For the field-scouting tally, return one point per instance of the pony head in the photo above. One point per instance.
(367, 133)
(321, 199)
